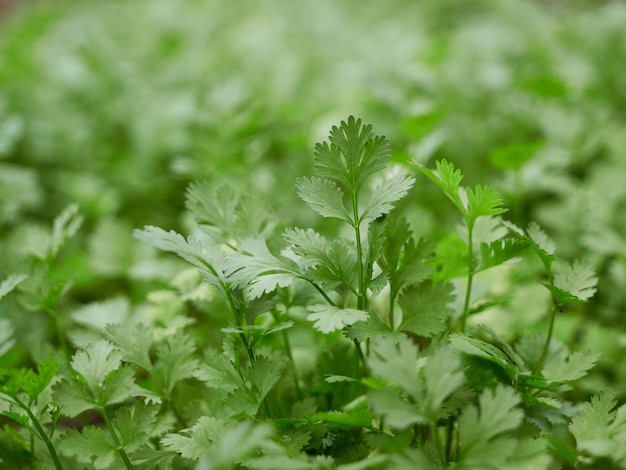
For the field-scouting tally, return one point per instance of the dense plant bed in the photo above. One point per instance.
(350, 345)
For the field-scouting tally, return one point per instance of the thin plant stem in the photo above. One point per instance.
(42, 434)
(470, 278)
(546, 345)
(239, 322)
(287, 343)
(361, 300)
(118, 444)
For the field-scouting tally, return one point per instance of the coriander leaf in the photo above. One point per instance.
(324, 197)
(329, 318)
(257, 270)
(7, 341)
(35, 383)
(443, 375)
(599, 429)
(482, 201)
(175, 361)
(134, 341)
(573, 282)
(65, 226)
(325, 262)
(267, 371)
(191, 443)
(499, 251)
(215, 205)
(72, 397)
(135, 424)
(216, 371)
(385, 195)
(559, 370)
(397, 412)
(448, 179)
(361, 418)
(539, 237)
(207, 257)
(11, 283)
(426, 307)
(96, 361)
(397, 362)
(354, 154)
(93, 446)
(371, 328)
(480, 442)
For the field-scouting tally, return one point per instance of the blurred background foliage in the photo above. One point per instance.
(117, 106)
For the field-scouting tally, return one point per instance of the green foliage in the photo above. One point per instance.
(369, 323)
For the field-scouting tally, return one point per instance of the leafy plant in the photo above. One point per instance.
(341, 349)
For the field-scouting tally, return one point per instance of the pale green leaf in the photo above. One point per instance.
(324, 197)
(94, 447)
(448, 179)
(135, 424)
(398, 413)
(354, 154)
(329, 318)
(482, 201)
(577, 279)
(134, 341)
(443, 375)
(11, 283)
(7, 341)
(191, 443)
(216, 371)
(426, 307)
(175, 361)
(573, 368)
(385, 195)
(257, 270)
(96, 361)
(65, 226)
(208, 258)
(267, 371)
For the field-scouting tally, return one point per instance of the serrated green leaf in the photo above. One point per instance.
(372, 328)
(267, 371)
(216, 371)
(329, 318)
(175, 361)
(482, 201)
(208, 258)
(7, 341)
(354, 154)
(361, 418)
(191, 443)
(257, 270)
(72, 397)
(11, 283)
(443, 375)
(324, 197)
(448, 179)
(599, 429)
(575, 366)
(325, 262)
(96, 361)
(65, 226)
(135, 342)
(398, 413)
(480, 441)
(498, 252)
(385, 195)
(135, 424)
(93, 446)
(34, 383)
(578, 280)
(426, 307)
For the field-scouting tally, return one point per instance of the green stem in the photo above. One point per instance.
(42, 434)
(470, 278)
(434, 431)
(287, 343)
(324, 294)
(546, 345)
(116, 440)
(239, 322)
(361, 300)
(59, 334)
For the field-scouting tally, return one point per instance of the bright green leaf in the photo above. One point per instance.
(329, 318)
